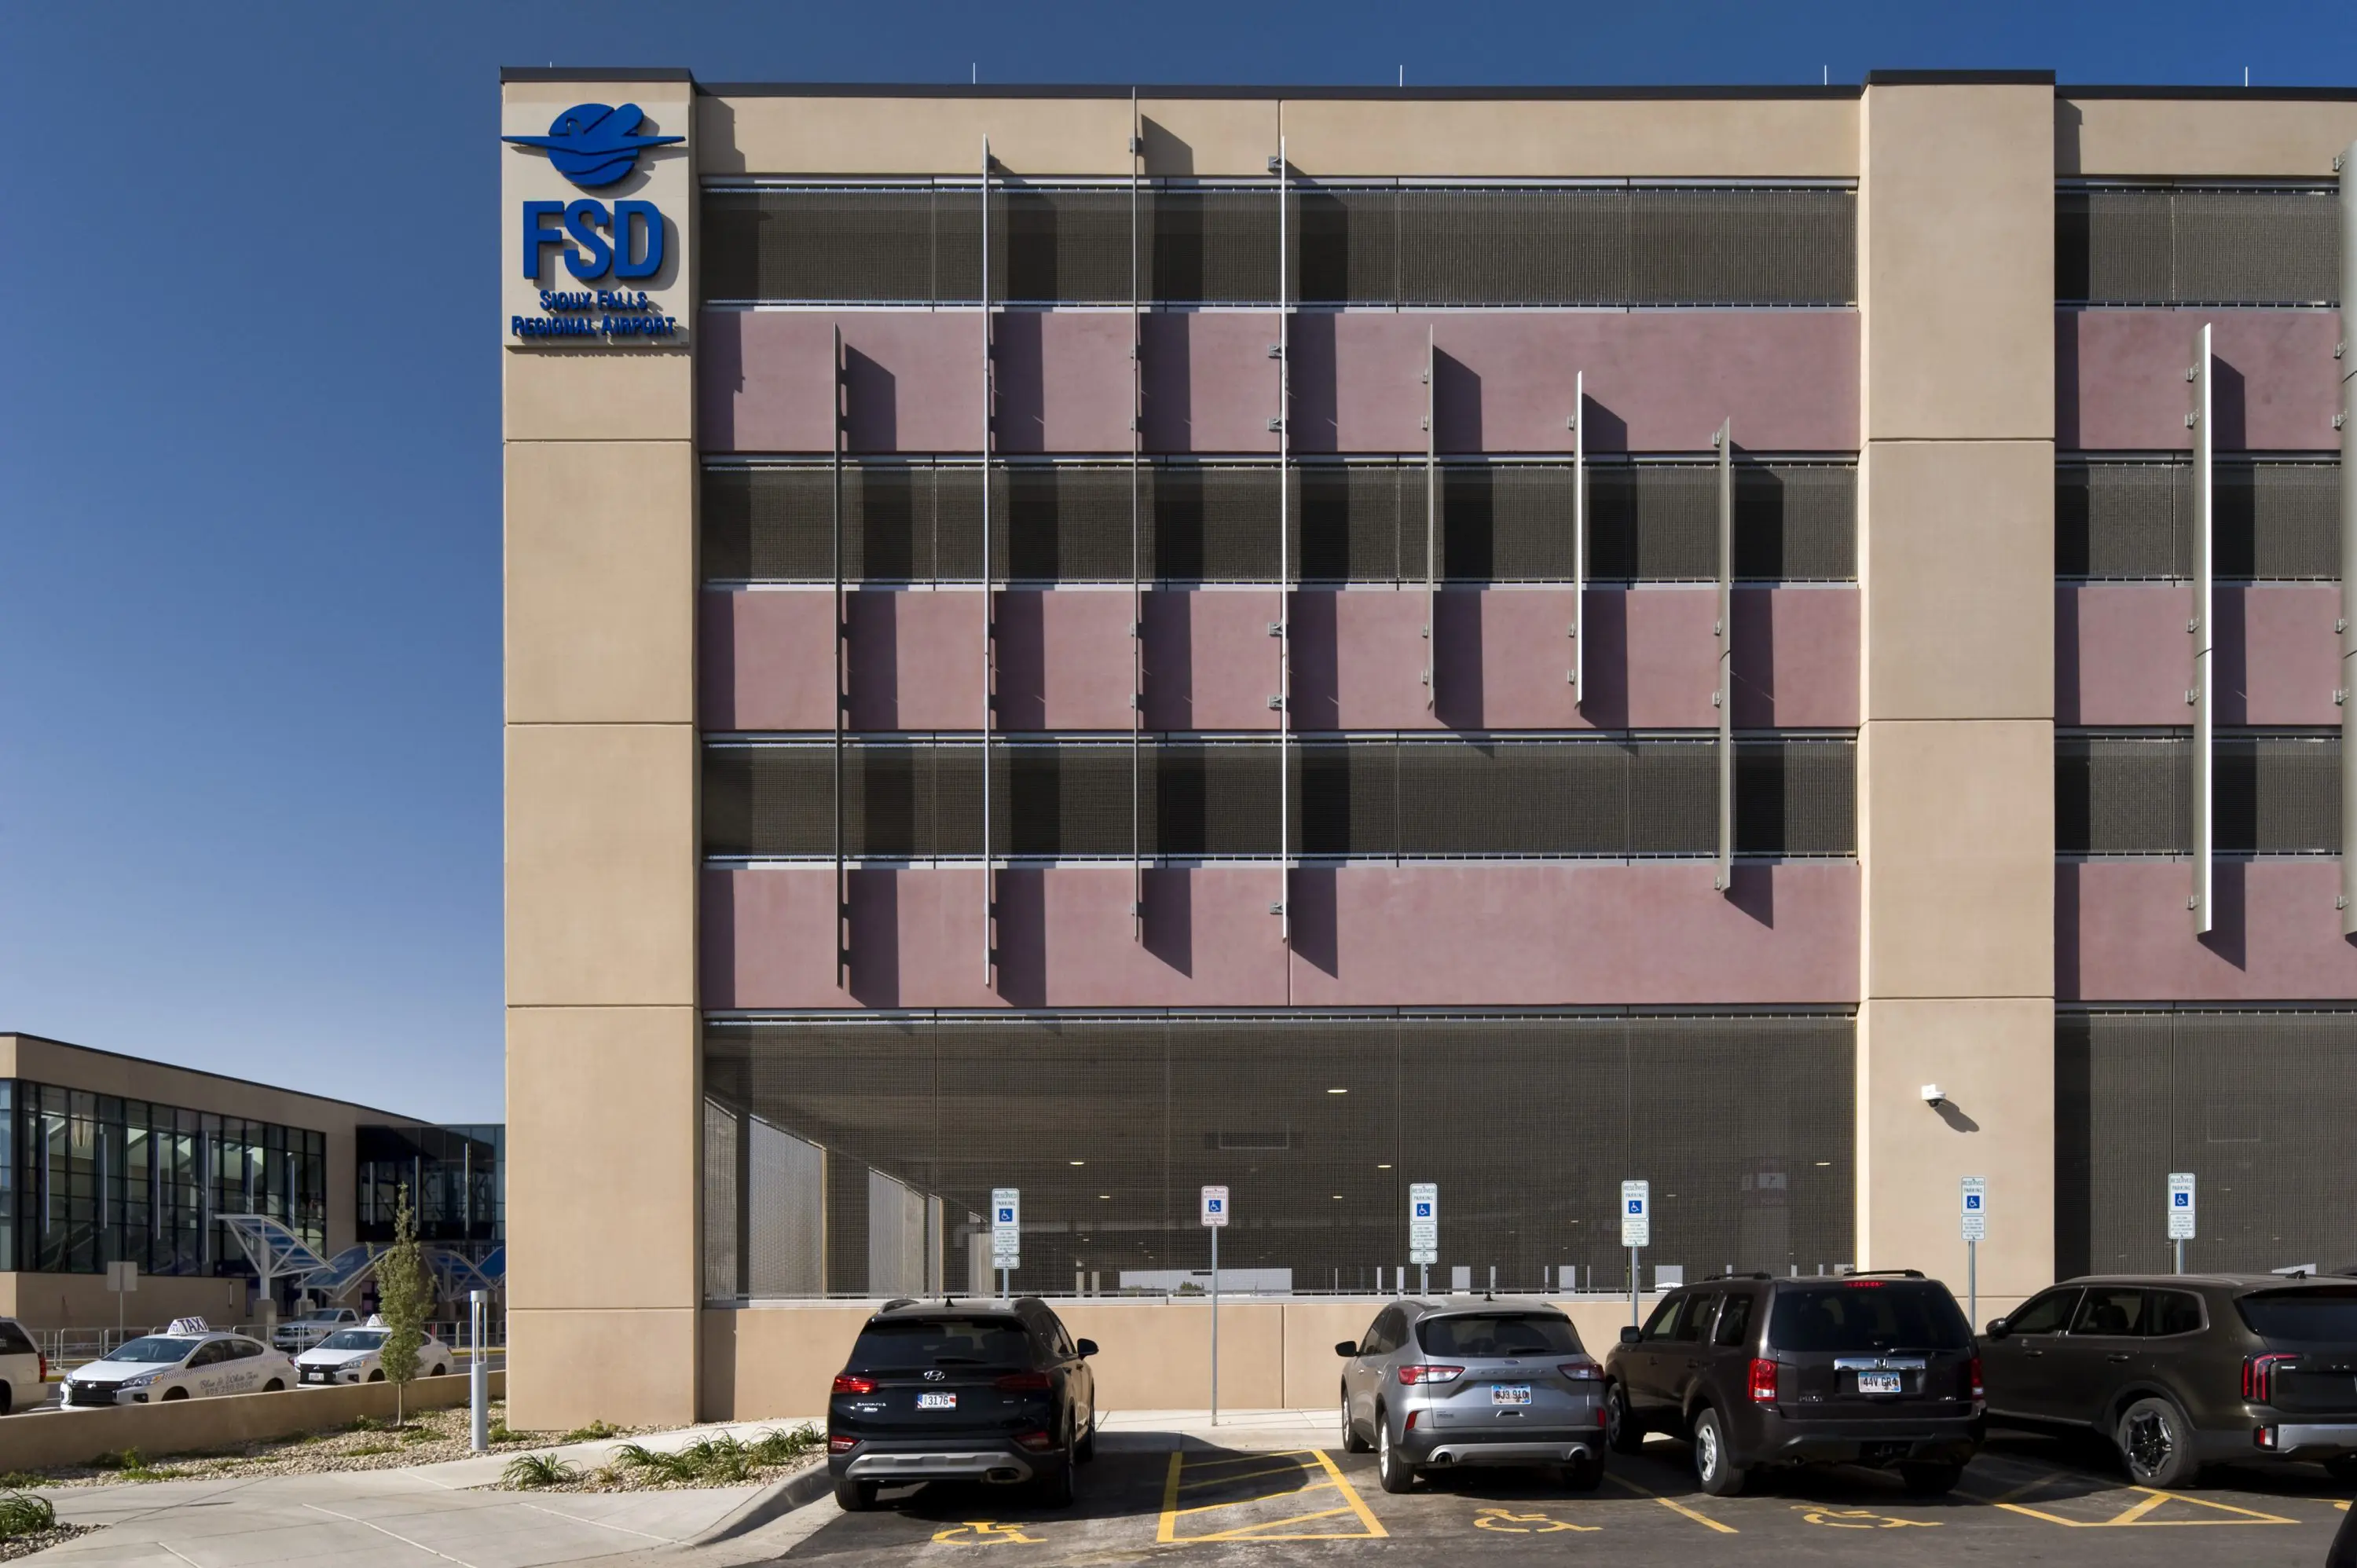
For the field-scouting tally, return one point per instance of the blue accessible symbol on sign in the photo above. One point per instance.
(1636, 1205)
(1972, 1200)
(1424, 1211)
(1007, 1217)
(2181, 1199)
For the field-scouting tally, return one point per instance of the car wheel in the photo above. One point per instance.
(171, 1394)
(377, 1376)
(854, 1497)
(2341, 1468)
(1054, 1489)
(441, 1371)
(1392, 1467)
(1929, 1480)
(2156, 1441)
(1085, 1449)
(1351, 1442)
(1584, 1475)
(1715, 1468)
(1623, 1430)
(273, 1387)
(7, 1399)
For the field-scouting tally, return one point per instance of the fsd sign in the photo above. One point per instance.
(625, 241)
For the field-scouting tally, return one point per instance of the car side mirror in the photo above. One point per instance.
(1630, 1334)
(1345, 1347)
(1999, 1329)
(1087, 1347)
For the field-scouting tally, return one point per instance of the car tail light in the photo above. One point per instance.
(1409, 1425)
(1866, 1284)
(1581, 1372)
(2264, 1436)
(1024, 1384)
(836, 1443)
(1600, 1422)
(1973, 1377)
(1038, 1441)
(1424, 1372)
(844, 1383)
(1763, 1380)
(2259, 1375)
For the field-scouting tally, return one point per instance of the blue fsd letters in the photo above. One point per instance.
(595, 242)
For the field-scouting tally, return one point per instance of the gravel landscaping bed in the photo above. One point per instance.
(727, 1461)
(26, 1546)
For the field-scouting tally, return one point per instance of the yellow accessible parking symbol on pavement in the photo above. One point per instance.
(1860, 1519)
(1296, 1495)
(1512, 1523)
(984, 1533)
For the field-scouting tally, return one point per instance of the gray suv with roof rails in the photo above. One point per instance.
(1872, 1368)
(1463, 1380)
(2183, 1370)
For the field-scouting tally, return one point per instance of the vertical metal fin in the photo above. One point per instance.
(1723, 628)
(1284, 551)
(2203, 899)
(1431, 517)
(841, 688)
(1579, 540)
(989, 597)
(2348, 688)
(1137, 572)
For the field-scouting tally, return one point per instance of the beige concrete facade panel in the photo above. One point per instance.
(1995, 1060)
(1957, 262)
(599, 394)
(2177, 136)
(602, 1122)
(600, 581)
(632, 1369)
(601, 862)
(82, 1301)
(1208, 137)
(212, 1425)
(1956, 848)
(1957, 565)
(792, 136)
(1738, 138)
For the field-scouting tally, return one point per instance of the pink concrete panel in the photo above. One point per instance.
(913, 380)
(1064, 381)
(1656, 380)
(2120, 378)
(2122, 933)
(916, 660)
(1065, 936)
(765, 660)
(1064, 659)
(2122, 657)
(1548, 935)
(1211, 663)
(1797, 658)
(1211, 385)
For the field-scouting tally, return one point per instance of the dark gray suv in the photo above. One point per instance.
(1472, 1380)
(1872, 1370)
(2183, 1370)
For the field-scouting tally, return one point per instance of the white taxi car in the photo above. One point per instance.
(356, 1355)
(189, 1361)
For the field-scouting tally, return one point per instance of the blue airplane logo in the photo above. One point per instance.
(593, 145)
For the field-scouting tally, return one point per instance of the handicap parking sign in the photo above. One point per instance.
(1007, 1217)
(1636, 1206)
(1424, 1211)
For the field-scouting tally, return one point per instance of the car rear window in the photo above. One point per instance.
(941, 1342)
(13, 1341)
(2310, 1314)
(1867, 1315)
(1479, 1333)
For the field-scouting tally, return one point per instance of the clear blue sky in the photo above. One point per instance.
(249, 439)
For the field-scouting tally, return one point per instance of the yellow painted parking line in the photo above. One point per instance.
(1307, 1462)
(1671, 1503)
(2133, 1516)
(1294, 1470)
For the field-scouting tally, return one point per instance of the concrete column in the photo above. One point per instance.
(1956, 755)
(602, 1079)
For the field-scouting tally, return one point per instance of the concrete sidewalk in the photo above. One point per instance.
(422, 1517)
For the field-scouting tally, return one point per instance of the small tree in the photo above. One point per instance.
(405, 1295)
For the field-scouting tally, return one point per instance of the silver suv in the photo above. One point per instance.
(1473, 1382)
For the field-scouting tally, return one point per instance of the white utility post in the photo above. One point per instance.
(1424, 1232)
(1975, 1217)
(479, 1379)
(121, 1279)
(2180, 1213)
(1636, 1231)
(1006, 1234)
(1215, 1220)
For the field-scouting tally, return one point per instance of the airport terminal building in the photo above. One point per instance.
(1102, 641)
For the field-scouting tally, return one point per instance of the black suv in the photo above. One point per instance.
(1874, 1368)
(2183, 1370)
(947, 1392)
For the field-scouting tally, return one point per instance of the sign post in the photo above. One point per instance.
(1005, 1233)
(1636, 1231)
(1424, 1232)
(2180, 1212)
(479, 1377)
(1976, 1228)
(121, 1279)
(1215, 1220)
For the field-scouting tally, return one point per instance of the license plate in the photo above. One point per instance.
(937, 1402)
(1878, 1382)
(1510, 1393)
(314, 1377)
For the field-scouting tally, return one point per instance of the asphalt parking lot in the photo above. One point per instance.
(2024, 1499)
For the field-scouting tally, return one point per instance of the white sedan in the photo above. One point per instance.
(192, 1363)
(356, 1355)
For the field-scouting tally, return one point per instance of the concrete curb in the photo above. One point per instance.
(779, 1497)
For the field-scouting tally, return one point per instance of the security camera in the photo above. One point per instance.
(1932, 1097)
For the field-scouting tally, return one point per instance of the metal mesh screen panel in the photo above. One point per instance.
(785, 1232)
(2126, 521)
(1067, 524)
(1359, 523)
(1349, 246)
(2253, 245)
(1210, 524)
(2255, 1104)
(1061, 245)
(1210, 246)
(884, 244)
(2134, 795)
(723, 1273)
(1108, 1125)
(1742, 247)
